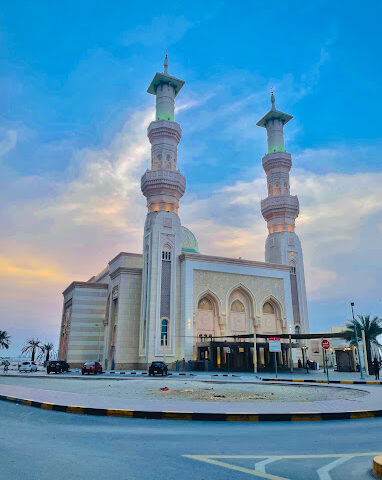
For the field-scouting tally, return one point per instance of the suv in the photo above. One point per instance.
(28, 367)
(91, 367)
(57, 366)
(158, 367)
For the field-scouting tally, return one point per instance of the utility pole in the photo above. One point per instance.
(254, 354)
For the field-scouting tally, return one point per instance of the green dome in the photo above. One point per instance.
(189, 242)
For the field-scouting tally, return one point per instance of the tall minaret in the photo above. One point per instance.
(280, 210)
(163, 185)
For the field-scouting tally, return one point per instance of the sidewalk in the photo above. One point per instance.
(320, 375)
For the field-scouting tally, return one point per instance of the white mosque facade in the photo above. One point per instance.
(171, 302)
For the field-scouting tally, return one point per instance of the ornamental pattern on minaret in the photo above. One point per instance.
(163, 185)
(279, 209)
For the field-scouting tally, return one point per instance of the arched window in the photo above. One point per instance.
(164, 333)
(205, 304)
(297, 329)
(292, 268)
(237, 306)
(268, 308)
(166, 256)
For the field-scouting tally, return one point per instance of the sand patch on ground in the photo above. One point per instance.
(182, 390)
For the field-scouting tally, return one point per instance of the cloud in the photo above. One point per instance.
(339, 226)
(8, 141)
(163, 30)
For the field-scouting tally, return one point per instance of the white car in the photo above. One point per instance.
(28, 367)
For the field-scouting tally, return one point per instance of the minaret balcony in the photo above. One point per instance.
(162, 183)
(277, 160)
(280, 206)
(164, 128)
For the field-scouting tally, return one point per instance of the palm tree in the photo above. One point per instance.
(47, 349)
(5, 339)
(372, 329)
(31, 346)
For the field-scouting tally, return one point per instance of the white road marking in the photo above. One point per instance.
(260, 466)
(323, 472)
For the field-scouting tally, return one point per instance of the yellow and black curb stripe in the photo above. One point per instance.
(199, 416)
(302, 380)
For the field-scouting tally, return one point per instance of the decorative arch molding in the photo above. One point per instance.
(278, 315)
(207, 321)
(247, 293)
(167, 246)
(276, 303)
(240, 321)
(215, 301)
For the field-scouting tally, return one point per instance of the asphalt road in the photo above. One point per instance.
(39, 444)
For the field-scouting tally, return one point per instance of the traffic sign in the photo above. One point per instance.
(325, 344)
(274, 344)
(228, 350)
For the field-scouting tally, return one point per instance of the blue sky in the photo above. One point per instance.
(73, 115)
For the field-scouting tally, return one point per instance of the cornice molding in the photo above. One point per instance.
(197, 257)
(125, 270)
(76, 284)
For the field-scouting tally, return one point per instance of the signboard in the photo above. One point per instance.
(325, 344)
(274, 344)
(228, 350)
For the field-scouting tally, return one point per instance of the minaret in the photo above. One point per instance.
(163, 185)
(280, 210)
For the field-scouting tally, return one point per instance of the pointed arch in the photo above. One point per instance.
(271, 316)
(240, 310)
(211, 296)
(275, 303)
(207, 315)
(246, 292)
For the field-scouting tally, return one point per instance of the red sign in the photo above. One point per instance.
(277, 339)
(325, 344)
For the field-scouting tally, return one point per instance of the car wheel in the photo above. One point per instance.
(82, 373)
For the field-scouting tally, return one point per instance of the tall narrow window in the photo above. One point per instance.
(164, 333)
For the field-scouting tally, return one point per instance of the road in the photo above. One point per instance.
(46, 445)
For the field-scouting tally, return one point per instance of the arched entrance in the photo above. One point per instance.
(206, 319)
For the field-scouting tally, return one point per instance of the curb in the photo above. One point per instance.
(377, 466)
(198, 416)
(305, 380)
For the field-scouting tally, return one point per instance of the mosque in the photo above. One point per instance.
(172, 302)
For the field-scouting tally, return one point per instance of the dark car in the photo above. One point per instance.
(158, 367)
(91, 367)
(57, 366)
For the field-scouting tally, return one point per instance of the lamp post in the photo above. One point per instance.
(356, 339)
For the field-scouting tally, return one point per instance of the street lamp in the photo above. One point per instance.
(356, 338)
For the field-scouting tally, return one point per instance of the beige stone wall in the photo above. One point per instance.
(256, 289)
(129, 304)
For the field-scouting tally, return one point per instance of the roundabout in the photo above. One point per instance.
(194, 399)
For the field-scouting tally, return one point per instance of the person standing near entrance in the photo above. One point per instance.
(376, 367)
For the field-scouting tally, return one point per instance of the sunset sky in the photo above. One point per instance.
(73, 146)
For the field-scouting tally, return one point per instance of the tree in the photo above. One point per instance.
(32, 345)
(5, 339)
(372, 329)
(47, 349)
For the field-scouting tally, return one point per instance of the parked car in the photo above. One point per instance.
(57, 366)
(28, 367)
(158, 367)
(91, 367)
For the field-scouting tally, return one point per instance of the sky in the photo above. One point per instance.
(73, 118)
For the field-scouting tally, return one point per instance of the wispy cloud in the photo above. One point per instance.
(8, 141)
(164, 30)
